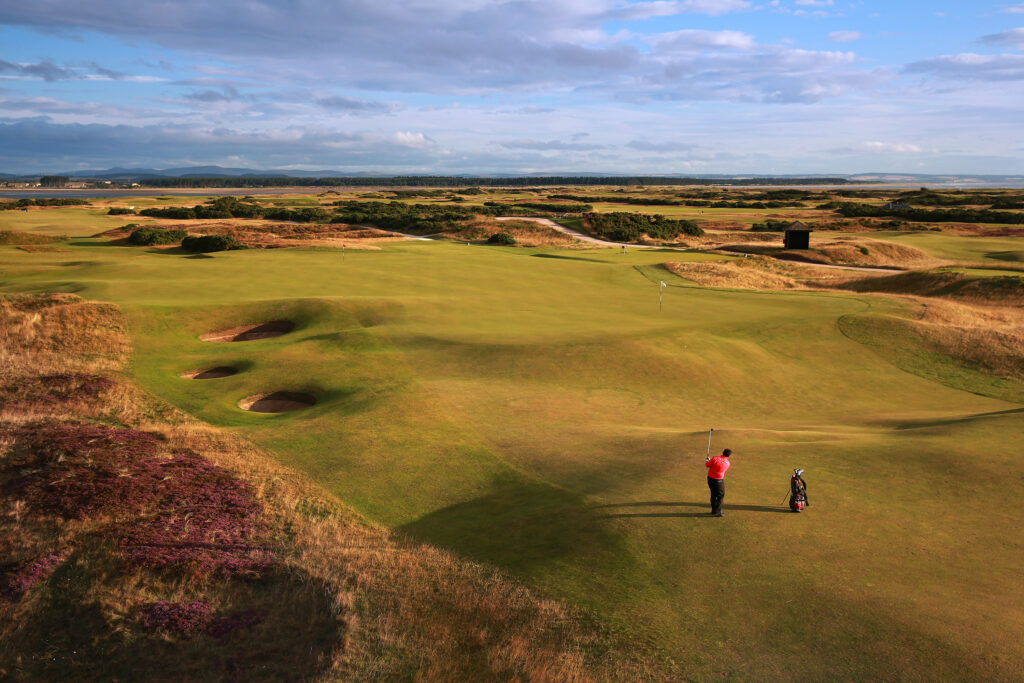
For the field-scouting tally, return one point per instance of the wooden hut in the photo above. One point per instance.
(797, 236)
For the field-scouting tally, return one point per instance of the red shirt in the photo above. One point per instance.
(717, 466)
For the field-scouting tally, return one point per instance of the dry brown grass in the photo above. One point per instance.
(864, 252)
(987, 337)
(755, 272)
(526, 233)
(18, 237)
(258, 234)
(347, 600)
(981, 291)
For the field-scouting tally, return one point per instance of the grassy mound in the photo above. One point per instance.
(866, 253)
(998, 290)
(19, 238)
(972, 357)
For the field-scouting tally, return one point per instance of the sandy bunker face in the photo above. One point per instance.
(250, 332)
(277, 402)
(211, 373)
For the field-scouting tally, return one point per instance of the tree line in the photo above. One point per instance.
(459, 181)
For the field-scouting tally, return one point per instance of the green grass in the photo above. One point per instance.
(542, 415)
(957, 247)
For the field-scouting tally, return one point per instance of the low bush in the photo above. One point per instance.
(629, 227)
(770, 225)
(203, 244)
(151, 236)
(501, 238)
(118, 211)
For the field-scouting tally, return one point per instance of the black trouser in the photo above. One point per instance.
(717, 487)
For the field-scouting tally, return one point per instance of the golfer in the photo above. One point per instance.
(716, 480)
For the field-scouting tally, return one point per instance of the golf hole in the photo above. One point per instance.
(211, 373)
(253, 331)
(277, 402)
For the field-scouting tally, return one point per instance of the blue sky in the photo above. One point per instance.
(493, 86)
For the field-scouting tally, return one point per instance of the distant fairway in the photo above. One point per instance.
(533, 409)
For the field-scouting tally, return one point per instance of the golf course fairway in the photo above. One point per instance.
(534, 409)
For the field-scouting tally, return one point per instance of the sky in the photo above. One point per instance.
(514, 86)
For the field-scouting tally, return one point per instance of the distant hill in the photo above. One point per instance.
(119, 174)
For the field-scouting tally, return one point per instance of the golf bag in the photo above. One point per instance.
(797, 492)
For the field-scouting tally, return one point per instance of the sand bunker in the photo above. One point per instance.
(212, 373)
(277, 402)
(250, 332)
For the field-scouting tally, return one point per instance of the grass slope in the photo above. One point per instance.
(541, 415)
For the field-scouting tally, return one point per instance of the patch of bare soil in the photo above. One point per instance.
(211, 373)
(250, 332)
(277, 402)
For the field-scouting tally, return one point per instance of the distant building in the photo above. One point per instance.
(797, 236)
(898, 205)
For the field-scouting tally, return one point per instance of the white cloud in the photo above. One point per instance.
(844, 36)
(694, 40)
(1014, 38)
(1016, 9)
(814, 3)
(969, 66)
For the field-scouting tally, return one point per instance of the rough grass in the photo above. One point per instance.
(19, 238)
(756, 272)
(866, 253)
(526, 233)
(982, 327)
(1005, 290)
(140, 540)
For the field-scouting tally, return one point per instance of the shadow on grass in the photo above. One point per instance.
(665, 504)
(523, 526)
(569, 258)
(924, 424)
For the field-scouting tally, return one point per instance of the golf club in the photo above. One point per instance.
(709, 443)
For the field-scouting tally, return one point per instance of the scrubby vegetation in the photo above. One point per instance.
(43, 201)
(120, 211)
(420, 219)
(232, 207)
(151, 236)
(501, 238)
(551, 208)
(203, 244)
(770, 225)
(852, 210)
(17, 237)
(630, 227)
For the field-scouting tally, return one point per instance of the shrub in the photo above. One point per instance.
(206, 243)
(628, 227)
(117, 211)
(151, 236)
(770, 225)
(16, 580)
(501, 238)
